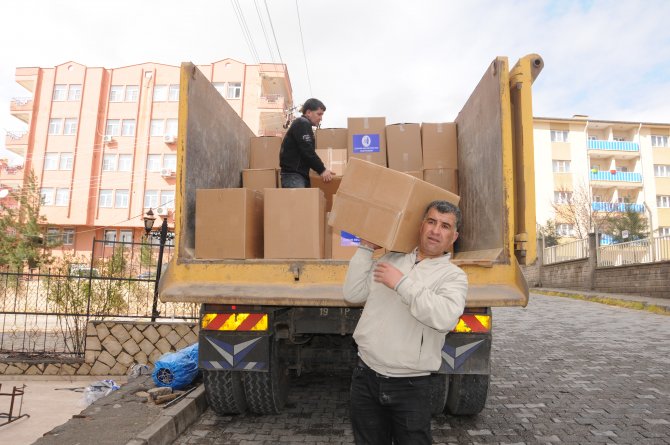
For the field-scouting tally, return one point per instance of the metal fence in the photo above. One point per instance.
(45, 312)
(573, 250)
(648, 250)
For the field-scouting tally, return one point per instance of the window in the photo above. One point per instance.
(151, 199)
(154, 163)
(105, 198)
(234, 90)
(74, 93)
(60, 92)
(562, 197)
(66, 161)
(565, 229)
(170, 162)
(623, 200)
(51, 161)
(593, 138)
(62, 197)
(68, 237)
(659, 141)
(662, 171)
(113, 127)
(220, 87)
(71, 126)
(47, 196)
(664, 231)
(53, 236)
(132, 93)
(55, 126)
(157, 126)
(167, 199)
(116, 93)
(125, 163)
(171, 127)
(173, 94)
(663, 201)
(160, 93)
(128, 127)
(121, 199)
(110, 237)
(126, 236)
(561, 166)
(559, 136)
(109, 163)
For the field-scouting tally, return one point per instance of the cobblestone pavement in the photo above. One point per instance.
(563, 372)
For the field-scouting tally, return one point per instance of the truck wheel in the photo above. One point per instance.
(266, 392)
(438, 395)
(224, 391)
(467, 394)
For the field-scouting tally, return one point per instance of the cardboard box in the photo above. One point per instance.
(343, 245)
(416, 174)
(259, 179)
(383, 206)
(440, 145)
(228, 223)
(446, 178)
(294, 223)
(403, 147)
(264, 152)
(333, 138)
(366, 139)
(335, 160)
(329, 188)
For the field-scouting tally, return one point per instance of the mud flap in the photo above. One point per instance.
(234, 351)
(466, 354)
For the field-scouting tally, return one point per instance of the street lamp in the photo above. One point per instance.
(149, 219)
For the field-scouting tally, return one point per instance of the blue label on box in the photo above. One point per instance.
(366, 143)
(349, 240)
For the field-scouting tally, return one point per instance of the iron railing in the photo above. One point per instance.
(648, 250)
(573, 250)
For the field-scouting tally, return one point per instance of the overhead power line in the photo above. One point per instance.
(304, 56)
(274, 35)
(245, 30)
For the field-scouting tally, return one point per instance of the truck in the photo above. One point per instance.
(265, 321)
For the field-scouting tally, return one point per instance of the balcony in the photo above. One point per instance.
(616, 207)
(17, 142)
(21, 108)
(613, 145)
(625, 177)
(273, 101)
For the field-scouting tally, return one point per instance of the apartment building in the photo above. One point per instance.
(102, 141)
(620, 165)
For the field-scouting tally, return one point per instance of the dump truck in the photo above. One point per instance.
(265, 321)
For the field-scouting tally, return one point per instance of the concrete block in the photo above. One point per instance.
(154, 356)
(13, 370)
(164, 329)
(125, 359)
(3, 367)
(52, 369)
(91, 356)
(120, 332)
(182, 328)
(33, 370)
(93, 343)
(191, 338)
(151, 334)
(84, 369)
(172, 337)
(99, 368)
(130, 346)
(66, 369)
(106, 358)
(136, 334)
(147, 346)
(102, 331)
(90, 329)
(112, 345)
(181, 344)
(141, 358)
(162, 431)
(118, 369)
(163, 345)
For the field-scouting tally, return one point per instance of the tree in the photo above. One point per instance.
(635, 223)
(549, 234)
(577, 209)
(21, 227)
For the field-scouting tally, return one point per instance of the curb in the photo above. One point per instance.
(598, 297)
(174, 420)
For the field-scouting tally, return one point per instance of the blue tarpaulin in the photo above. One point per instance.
(177, 369)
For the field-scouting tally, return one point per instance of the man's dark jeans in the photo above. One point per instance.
(294, 181)
(385, 408)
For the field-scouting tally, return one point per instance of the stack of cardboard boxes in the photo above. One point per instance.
(261, 220)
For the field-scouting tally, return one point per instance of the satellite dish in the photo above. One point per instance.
(4, 193)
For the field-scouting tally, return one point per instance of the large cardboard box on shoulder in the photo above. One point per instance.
(383, 206)
(294, 222)
(260, 178)
(264, 152)
(440, 145)
(366, 139)
(446, 178)
(403, 147)
(228, 223)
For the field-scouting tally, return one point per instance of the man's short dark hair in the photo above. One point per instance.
(312, 105)
(445, 207)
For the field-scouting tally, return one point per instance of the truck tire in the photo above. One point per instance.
(266, 392)
(224, 391)
(438, 395)
(467, 394)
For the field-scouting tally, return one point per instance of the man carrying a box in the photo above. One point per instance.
(411, 302)
(297, 155)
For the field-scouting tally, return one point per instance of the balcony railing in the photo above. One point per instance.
(16, 138)
(616, 207)
(613, 145)
(272, 101)
(618, 176)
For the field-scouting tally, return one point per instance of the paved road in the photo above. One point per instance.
(564, 372)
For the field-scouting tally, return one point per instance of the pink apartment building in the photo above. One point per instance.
(102, 141)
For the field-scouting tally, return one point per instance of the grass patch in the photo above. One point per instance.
(637, 305)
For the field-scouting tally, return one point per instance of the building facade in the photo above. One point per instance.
(102, 141)
(618, 166)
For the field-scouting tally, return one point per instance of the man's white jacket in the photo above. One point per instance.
(401, 332)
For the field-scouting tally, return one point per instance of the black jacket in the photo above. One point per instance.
(297, 153)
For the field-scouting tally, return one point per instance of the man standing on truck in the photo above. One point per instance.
(411, 302)
(298, 155)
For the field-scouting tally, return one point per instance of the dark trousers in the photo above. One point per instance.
(294, 181)
(389, 408)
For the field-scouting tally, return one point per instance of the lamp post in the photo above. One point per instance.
(149, 219)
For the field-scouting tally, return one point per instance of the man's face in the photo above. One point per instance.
(437, 233)
(314, 116)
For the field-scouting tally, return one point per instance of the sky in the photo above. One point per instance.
(408, 61)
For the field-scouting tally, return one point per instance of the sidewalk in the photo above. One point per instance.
(646, 302)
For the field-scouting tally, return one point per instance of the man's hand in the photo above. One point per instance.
(327, 175)
(387, 274)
